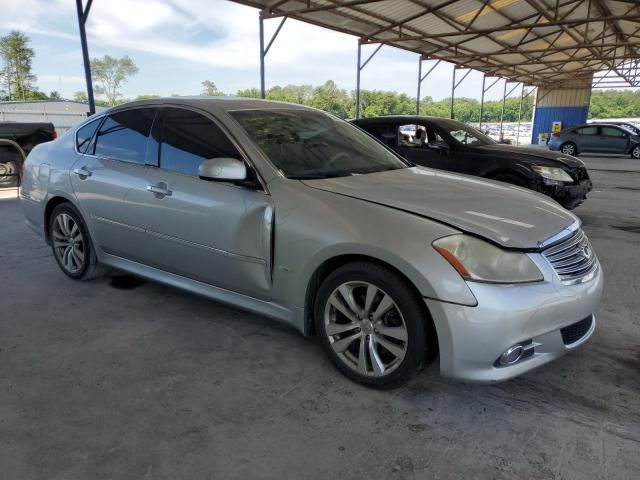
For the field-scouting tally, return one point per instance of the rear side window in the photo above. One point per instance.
(188, 138)
(124, 135)
(587, 131)
(613, 132)
(84, 136)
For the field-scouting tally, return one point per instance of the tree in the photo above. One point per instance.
(55, 95)
(80, 97)
(209, 89)
(110, 74)
(17, 57)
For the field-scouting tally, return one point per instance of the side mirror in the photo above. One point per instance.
(222, 169)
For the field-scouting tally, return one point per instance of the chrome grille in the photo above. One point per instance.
(572, 258)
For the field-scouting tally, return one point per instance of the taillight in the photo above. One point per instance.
(557, 134)
(55, 133)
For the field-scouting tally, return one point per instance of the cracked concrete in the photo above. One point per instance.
(118, 378)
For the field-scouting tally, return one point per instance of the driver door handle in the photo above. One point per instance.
(82, 172)
(159, 190)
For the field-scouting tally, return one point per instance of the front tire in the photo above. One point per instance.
(372, 325)
(635, 152)
(71, 244)
(569, 148)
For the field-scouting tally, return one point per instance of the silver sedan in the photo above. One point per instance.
(292, 213)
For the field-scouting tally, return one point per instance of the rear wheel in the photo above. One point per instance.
(71, 243)
(635, 152)
(8, 174)
(569, 148)
(372, 326)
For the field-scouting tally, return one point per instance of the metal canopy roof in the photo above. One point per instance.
(537, 42)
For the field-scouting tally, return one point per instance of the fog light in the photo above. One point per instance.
(511, 356)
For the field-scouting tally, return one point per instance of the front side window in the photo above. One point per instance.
(189, 138)
(84, 136)
(464, 134)
(311, 144)
(587, 131)
(124, 135)
(613, 132)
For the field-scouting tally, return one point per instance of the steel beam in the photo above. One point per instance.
(264, 50)
(421, 78)
(83, 15)
(359, 70)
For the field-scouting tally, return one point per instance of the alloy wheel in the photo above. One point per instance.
(68, 243)
(365, 328)
(569, 149)
(636, 151)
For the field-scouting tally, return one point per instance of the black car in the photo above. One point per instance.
(452, 145)
(26, 136)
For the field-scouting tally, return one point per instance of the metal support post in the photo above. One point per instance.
(504, 99)
(83, 14)
(359, 70)
(264, 51)
(453, 91)
(421, 79)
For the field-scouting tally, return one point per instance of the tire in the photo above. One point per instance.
(635, 152)
(71, 244)
(8, 170)
(395, 337)
(512, 179)
(569, 148)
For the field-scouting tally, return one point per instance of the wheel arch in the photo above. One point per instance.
(51, 204)
(330, 264)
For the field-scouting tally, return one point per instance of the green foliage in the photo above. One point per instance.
(110, 73)
(16, 74)
(615, 104)
(209, 89)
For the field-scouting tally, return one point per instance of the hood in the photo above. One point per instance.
(540, 155)
(505, 214)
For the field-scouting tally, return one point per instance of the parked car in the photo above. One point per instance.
(293, 213)
(597, 138)
(629, 126)
(454, 146)
(27, 136)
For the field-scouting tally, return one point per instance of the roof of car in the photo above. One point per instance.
(214, 103)
(399, 118)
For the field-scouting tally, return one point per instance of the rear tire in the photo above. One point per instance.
(8, 174)
(569, 148)
(71, 244)
(372, 325)
(635, 152)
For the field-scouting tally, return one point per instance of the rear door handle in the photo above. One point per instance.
(82, 172)
(159, 190)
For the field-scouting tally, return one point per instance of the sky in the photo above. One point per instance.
(177, 44)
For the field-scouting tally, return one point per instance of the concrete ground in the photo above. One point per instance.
(119, 378)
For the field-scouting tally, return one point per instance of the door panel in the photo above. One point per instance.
(613, 139)
(215, 232)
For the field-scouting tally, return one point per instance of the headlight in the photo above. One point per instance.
(480, 261)
(552, 173)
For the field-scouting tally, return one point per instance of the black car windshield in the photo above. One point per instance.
(465, 134)
(311, 144)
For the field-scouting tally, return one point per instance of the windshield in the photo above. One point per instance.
(465, 134)
(311, 144)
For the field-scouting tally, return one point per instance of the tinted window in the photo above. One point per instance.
(189, 138)
(587, 131)
(85, 134)
(613, 132)
(313, 144)
(124, 135)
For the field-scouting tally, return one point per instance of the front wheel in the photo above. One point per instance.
(372, 326)
(635, 152)
(71, 243)
(569, 148)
